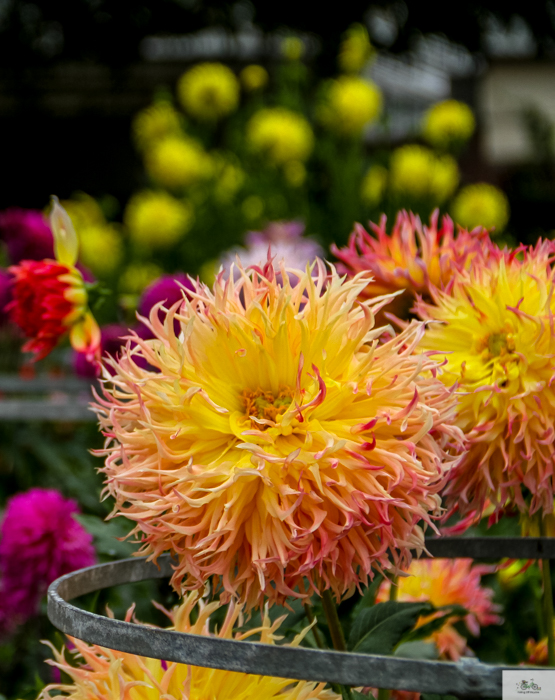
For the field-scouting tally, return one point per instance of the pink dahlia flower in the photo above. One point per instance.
(286, 242)
(280, 445)
(414, 257)
(26, 234)
(40, 540)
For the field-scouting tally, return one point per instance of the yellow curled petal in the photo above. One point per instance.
(84, 336)
(66, 245)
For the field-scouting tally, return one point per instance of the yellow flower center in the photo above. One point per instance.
(264, 405)
(497, 345)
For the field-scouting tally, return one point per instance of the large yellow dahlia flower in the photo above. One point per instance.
(496, 327)
(277, 443)
(103, 673)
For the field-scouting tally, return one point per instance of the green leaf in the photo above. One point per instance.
(106, 535)
(379, 629)
(424, 631)
(369, 597)
(417, 650)
(356, 695)
(433, 696)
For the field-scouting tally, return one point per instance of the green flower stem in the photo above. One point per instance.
(548, 602)
(315, 631)
(394, 588)
(336, 631)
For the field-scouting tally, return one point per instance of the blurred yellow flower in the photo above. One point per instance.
(253, 207)
(374, 185)
(355, 49)
(292, 48)
(229, 178)
(448, 123)
(512, 572)
(83, 211)
(101, 248)
(295, 173)
(137, 276)
(156, 219)
(418, 172)
(254, 77)
(481, 204)
(352, 103)
(176, 161)
(280, 134)
(155, 122)
(209, 91)
(444, 177)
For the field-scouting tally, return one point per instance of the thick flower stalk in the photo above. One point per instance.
(279, 445)
(448, 582)
(495, 332)
(413, 257)
(103, 673)
(50, 298)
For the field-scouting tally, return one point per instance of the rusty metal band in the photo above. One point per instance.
(468, 678)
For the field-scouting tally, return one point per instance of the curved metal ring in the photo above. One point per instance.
(466, 679)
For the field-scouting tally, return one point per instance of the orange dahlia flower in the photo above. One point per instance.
(494, 330)
(50, 298)
(413, 257)
(97, 673)
(448, 582)
(277, 445)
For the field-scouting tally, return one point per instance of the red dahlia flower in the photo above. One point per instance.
(50, 298)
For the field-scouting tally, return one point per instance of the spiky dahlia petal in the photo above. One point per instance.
(103, 673)
(277, 440)
(413, 257)
(496, 325)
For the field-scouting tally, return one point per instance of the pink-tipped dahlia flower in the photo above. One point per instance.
(40, 540)
(97, 673)
(414, 257)
(50, 297)
(280, 446)
(494, 329)
(448, 582)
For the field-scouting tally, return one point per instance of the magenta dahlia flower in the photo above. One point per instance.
(26, 234)
(40, 540)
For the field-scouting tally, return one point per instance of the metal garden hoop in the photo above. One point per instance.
(467, 678)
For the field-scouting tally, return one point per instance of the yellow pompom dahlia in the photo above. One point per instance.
(177, 161)
(446, 582)
(209, 91)
(97, 673)
(448, 123)
(496, 335)
(280, 134)
(351, 104)
(278, 444)
(417, 172)
(481, 204)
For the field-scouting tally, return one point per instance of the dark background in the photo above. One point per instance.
(72, 74)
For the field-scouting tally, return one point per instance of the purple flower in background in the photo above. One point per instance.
(26, 234)
(111, 342)
(169, 289)
(40, 540)
(285, 238)
(5, 295)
